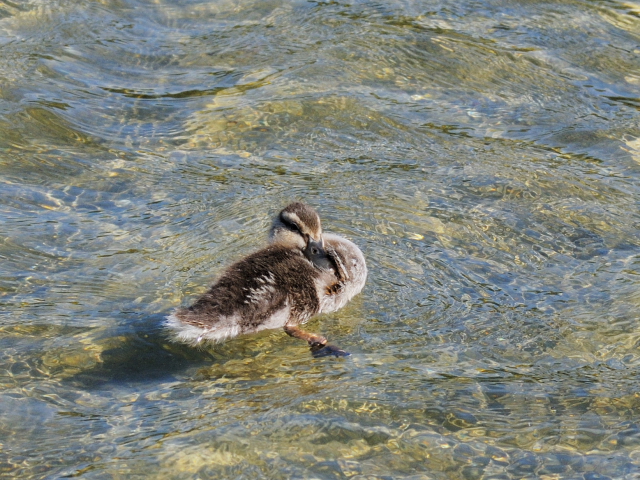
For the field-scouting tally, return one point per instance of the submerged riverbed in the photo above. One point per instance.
(484, 155)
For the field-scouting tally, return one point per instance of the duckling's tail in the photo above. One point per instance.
(185, 327)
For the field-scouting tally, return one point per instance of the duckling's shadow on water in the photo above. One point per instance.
(140, 352)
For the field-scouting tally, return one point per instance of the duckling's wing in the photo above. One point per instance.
(265, 304)
(280, 288)
(262, 288)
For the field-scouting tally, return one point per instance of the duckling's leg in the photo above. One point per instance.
(311, 338)
(318, 344)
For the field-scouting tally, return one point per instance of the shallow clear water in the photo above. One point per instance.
(485, 156)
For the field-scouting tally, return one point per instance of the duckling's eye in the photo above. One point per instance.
(314, 251)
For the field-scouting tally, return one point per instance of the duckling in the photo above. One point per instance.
(282, 285)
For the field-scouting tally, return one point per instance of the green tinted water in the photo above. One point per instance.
(484, 155)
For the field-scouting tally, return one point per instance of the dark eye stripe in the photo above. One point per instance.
(290, 224)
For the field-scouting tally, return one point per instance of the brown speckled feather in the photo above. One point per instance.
(268, 289)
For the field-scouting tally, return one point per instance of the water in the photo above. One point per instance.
(484, 155)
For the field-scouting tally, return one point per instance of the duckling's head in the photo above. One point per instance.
(298, 226)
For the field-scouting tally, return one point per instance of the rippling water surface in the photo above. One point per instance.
(485, 155)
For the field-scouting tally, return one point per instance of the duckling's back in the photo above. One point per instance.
(268, 289)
